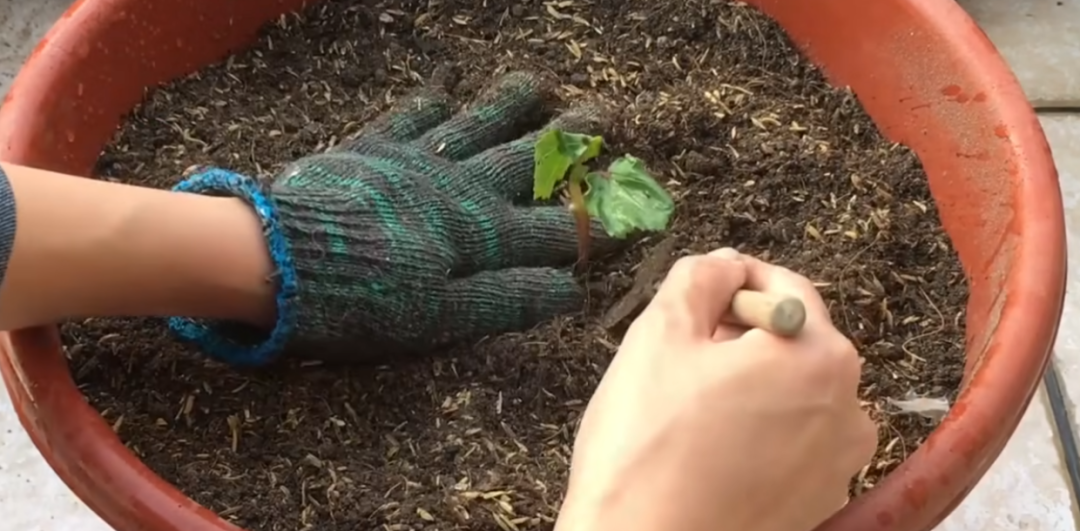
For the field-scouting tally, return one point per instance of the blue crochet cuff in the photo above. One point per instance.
(214, 181)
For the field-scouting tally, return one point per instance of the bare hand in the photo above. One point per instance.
(703, 425)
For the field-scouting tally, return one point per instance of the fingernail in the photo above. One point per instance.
(727, 253)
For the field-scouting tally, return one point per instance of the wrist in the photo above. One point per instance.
(669, 501)
(207, 257)
(231, 263)
(262, 271)
(590, 511)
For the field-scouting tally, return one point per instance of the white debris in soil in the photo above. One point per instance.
(932, 408)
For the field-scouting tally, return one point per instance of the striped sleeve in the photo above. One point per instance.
(7, 223)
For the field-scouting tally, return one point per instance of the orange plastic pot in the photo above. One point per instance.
(924, 71)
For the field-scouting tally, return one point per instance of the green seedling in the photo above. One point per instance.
(625, 198)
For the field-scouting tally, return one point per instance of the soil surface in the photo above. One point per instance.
(758, 150)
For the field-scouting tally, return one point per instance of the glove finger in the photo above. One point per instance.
(543, 236)
(507, 300)
(504, 109)
(508, 169)
(407, 120)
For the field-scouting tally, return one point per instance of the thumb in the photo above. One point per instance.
(509, 300)
(697, 293)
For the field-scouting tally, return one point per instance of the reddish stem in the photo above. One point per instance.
(581, 216)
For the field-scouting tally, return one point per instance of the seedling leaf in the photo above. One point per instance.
(592, 148)
(554, 154)
(628, 199)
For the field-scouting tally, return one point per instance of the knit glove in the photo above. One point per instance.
(410, 236)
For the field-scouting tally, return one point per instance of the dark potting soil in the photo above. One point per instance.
(758, 150)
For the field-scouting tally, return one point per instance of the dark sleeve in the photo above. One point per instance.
(7, 223)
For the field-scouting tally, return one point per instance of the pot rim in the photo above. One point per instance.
(88, 456)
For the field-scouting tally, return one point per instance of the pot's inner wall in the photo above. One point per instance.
(921, 92)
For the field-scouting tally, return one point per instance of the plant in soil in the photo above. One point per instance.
(754, 147)
(625, 198)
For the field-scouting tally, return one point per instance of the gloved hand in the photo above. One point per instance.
(408, 237)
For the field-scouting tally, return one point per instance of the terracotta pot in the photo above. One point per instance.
(929, 77)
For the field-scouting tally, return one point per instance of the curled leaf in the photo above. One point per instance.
(628, 199)
(555, 152)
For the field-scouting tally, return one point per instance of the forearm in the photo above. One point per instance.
(91, 248)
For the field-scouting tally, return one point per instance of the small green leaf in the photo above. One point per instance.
(555, 153)
(628, 199)
(592, 148)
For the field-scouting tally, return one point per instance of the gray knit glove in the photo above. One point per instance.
(408, 237)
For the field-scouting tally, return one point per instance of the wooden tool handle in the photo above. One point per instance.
(781, 315)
